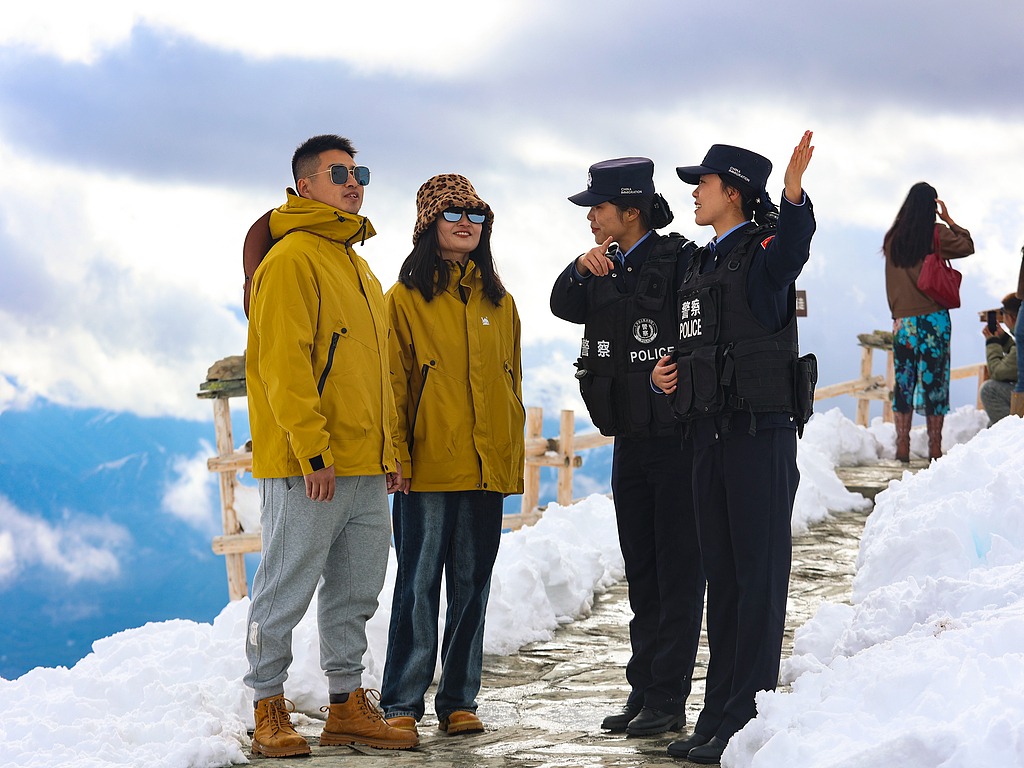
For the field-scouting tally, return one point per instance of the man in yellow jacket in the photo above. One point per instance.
(323, 423)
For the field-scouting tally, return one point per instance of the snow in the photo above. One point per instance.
(924, 669)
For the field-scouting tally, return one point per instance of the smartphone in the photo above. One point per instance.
(993, 326)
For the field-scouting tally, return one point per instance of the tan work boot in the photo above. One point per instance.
(403, 723)
(461, 722)
(358, 721)
(274, 735)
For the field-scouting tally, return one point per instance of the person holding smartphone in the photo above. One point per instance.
(1001, 357)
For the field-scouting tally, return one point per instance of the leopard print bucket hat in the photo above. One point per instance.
(446, 190)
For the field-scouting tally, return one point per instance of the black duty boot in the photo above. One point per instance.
(617, 723)
(652, 721)
(708, 754)
(682, 747)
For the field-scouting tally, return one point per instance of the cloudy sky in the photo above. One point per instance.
(139, 140)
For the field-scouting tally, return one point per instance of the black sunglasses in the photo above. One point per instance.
(339, 174)
(455, 214)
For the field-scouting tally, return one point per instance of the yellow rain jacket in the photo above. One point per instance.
(317, 360)
(457, 376)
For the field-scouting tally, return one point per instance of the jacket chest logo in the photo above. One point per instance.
(645, 330)
(485, 321)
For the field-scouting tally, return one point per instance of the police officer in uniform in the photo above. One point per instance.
(739, 384)
(623, 290)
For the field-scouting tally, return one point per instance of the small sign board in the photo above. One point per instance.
(801, 303)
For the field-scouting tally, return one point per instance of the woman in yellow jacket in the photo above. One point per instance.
(457, 377)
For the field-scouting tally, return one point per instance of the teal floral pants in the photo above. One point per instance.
(920, 347)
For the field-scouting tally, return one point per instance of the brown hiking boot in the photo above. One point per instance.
(358, 721)
(274, 735)
(403, 723)
(461, 723)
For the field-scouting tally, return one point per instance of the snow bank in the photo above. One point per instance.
(170, 694)
(926, 668)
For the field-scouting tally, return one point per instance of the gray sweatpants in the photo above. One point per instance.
(342, 545)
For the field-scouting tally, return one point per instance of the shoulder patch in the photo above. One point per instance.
(764, 243)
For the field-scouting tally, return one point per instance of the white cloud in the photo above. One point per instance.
(121, 306)
(77, 548)
(400, 36)
(11, 397)
(190, 495)
(8, 560)
(127, 290)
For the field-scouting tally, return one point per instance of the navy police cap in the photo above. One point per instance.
(621, 177)
(748, 168)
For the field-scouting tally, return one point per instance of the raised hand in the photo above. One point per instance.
(943, 213)
(797, 165)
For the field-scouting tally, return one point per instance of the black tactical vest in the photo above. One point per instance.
(626, 333)
(728, 361)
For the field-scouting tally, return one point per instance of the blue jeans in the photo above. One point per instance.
(457, 532)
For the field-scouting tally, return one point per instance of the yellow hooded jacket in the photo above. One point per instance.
(457, 376)
(317, 360)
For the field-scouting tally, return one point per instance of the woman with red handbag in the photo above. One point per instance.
(921, 326)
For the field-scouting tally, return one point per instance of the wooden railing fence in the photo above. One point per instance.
(226, 379)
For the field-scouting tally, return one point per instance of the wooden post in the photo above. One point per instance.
(566, 437)
(863, 404)
(983, 376)
(238, 586)
(531, 472)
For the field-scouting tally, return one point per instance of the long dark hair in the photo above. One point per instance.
(757, 206)
(425, 270)
(654, 210)
(909, 239)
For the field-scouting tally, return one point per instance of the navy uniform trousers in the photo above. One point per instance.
(652, 491)
(744, 486)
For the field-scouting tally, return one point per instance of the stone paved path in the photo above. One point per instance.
(543, 707)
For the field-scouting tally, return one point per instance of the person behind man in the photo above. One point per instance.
(323, 422)
(624, 292)
(1001, 356)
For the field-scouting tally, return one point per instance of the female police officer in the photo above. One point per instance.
(740, 386)
(624, 291)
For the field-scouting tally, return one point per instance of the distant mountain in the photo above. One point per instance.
(92, 545)
(94, 549)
